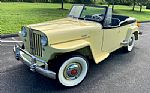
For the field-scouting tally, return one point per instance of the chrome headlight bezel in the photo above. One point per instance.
(44, 40)
(24, 31)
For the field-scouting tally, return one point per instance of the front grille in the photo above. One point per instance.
(35, 43)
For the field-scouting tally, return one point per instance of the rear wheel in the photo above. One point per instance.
(72, 71)
(130, 45)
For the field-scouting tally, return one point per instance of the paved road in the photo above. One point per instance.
(120, 73)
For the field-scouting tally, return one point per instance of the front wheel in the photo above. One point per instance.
(130, 44)
(73, 71)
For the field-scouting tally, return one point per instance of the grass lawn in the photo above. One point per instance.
(127, 10)
(14, 15)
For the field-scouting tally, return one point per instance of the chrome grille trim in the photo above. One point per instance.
(35, 43)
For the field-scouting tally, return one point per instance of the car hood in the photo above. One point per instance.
(63, 30)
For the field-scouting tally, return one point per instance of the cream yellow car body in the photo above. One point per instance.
(61, 49)
(73, 35)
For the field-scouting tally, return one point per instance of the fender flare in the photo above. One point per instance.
(132, 30)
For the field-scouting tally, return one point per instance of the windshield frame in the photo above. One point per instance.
(88, 6)
(72, 8)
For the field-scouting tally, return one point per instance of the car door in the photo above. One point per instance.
(113, 33)
(111, 39)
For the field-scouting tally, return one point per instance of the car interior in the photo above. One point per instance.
(109, 20)
(122, 20)
(116, 20)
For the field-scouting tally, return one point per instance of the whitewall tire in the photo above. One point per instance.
(73, 71)
(131, 44)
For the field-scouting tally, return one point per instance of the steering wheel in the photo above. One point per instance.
(97, 17)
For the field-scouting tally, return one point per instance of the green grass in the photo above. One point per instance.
(14, 15)
(127, 10)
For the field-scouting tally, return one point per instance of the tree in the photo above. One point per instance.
(62, 4)
(148, 5)
(111, 2)
(113, 5)
(134, 3)
(142, 3)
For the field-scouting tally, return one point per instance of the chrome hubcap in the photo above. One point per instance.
(72, 71)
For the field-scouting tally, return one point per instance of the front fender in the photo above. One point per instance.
(70, 46)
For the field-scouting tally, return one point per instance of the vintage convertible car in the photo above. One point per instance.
(61, 49)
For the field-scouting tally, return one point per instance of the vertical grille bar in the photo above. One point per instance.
(31, 41)
(33, 47)
(40, 46)
(37, 44)
(35, 41)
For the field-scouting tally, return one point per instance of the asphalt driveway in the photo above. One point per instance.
(119, 73)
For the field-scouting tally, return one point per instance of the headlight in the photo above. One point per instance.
(44, 40)
(24, 32)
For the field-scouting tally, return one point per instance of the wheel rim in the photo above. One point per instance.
(72, 71)
(131, 43)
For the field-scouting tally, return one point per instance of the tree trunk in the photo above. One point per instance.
(108, 4)
(94, 1)
(133, 5)
(62, 4)
(140, 8)
(113, 5)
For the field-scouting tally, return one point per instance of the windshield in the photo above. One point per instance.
(76, 11)
(88, 12)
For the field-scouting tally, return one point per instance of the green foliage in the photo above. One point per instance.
(148, 6)
(119, 2)
(56, 1)
(142, 2)
(14, 15)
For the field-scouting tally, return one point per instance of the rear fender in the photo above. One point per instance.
(132, 30)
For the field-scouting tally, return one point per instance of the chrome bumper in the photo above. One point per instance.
(33, 66)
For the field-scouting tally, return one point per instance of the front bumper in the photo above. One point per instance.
(18, 51)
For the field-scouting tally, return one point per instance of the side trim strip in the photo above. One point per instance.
(71, 40)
